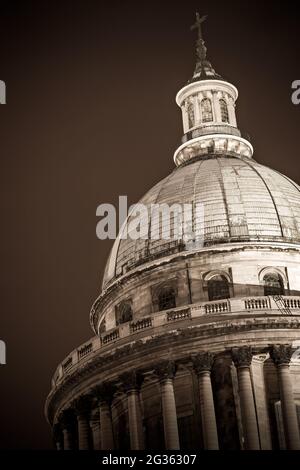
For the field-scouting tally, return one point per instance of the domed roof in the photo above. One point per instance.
(243, 201)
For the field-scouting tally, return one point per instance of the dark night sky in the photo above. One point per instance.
(91, 115)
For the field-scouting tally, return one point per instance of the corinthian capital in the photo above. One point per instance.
(203, 362)
(165, 370)
(82, 405)
(104, 392)
(281, 354)
(131, 380)
(242, 357)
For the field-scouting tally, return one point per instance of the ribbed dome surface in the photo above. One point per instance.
(243, 201)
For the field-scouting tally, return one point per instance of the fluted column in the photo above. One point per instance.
(104, 394)
(66, 419)
(132, 383)
(202, 364)
(242, 358)
(82, 409)
(166, 373)
(281, 355)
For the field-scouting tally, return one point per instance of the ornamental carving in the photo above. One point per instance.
(242, 357)
(131, 381)
(281, 354)
(165, 370)
(82, 405)
(66, 419)
(203, 362)
(104, 393)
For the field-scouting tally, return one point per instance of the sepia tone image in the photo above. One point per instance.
(187, 343)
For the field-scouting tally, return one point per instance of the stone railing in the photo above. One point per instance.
(217, 307)
(257, 303)
(110, 337)
(141, 324)
(235, 306)
(291, 302)
(85, 350)
(178, 314)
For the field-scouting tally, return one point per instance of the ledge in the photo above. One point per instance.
(200, 313)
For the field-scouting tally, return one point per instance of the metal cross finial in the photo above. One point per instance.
(197, 25)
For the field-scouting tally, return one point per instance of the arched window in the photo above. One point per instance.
(191, 114)
(102, 327)
(166, 298)
(206, 110)
(273, 284)
(218, 288)
(224, 111)
(123, 312)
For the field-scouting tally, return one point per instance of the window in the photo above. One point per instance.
(218, 288)
(224, 111)
(273, 284)
(191, 114)
(206, 110)
(102, 327)
(123, 312)
(166, 298)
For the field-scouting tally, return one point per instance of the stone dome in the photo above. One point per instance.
(243, 200)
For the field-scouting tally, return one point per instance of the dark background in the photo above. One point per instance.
(90, 115)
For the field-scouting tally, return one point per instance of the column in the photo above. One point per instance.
(242, 358)
(66, 420)
(57, 436)
(166, 373)
(95, 427)
(216, 106)
(231, 111)
(82, 410)
(104, 394)
(132, 383)
(202, 365)
(281, 355)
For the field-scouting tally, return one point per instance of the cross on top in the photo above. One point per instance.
(198, 23)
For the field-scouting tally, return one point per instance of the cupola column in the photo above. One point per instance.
(82, 410)
(166, 373)
(242, 358)
(281, 355)
(95, 427)
(202, 365)
(66, 420)
(57, 436)
(104, 394)
(132, 383)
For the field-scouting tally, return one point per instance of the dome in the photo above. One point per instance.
(243, 201)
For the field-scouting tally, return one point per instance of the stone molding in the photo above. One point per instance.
(82, 406)
(131, 381)
(281, 354)
(242, 357)
(165, 370)
(203, 362)
(101, 363)
(104, 393)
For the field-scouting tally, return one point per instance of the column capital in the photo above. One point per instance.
(66, 419)
(57, 431)
(82, 405)
(131, 381)
(104, 393)
(242, 357)
(165, 370)
(281, 354)
(203, 362)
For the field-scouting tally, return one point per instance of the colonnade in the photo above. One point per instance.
(91, 415)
